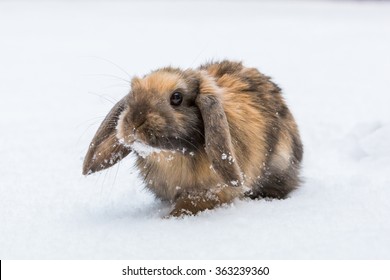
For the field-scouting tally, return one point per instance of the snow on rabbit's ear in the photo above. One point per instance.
(105, 149)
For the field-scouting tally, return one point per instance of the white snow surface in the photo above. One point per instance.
(59, 79)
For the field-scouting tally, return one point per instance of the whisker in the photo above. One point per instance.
(197, 130)
(85, 131)
(115, 149)
(104, 179)
(198, 55)
(116, 65)
(95, 119)
(116, 172)
(193, 145)
(107, 98)
(115, 86)
(110, 76)
(185, 140)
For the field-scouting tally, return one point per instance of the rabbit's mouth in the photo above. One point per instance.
(154, 138)
(143, 130)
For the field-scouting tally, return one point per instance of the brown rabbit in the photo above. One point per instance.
(203, 137)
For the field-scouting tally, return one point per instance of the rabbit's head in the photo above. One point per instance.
(169, 109)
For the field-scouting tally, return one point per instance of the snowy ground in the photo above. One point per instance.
(58, 80)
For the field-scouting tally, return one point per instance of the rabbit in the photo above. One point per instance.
(203, 137)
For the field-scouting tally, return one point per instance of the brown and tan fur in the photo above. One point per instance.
(231, 137)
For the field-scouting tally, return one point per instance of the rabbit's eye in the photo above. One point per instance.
(176, 98)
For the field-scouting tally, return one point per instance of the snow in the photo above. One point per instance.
(144, 150)
(62, 68)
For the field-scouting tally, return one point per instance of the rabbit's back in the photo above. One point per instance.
(264, 134)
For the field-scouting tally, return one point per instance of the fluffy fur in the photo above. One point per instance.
(232, 136)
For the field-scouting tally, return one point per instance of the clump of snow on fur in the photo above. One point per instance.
(144, 150)
(234, 182)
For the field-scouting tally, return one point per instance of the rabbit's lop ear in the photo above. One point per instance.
(218, 147)
(105, 149)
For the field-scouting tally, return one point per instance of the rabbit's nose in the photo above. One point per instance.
(138, 114)
(139, 120)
